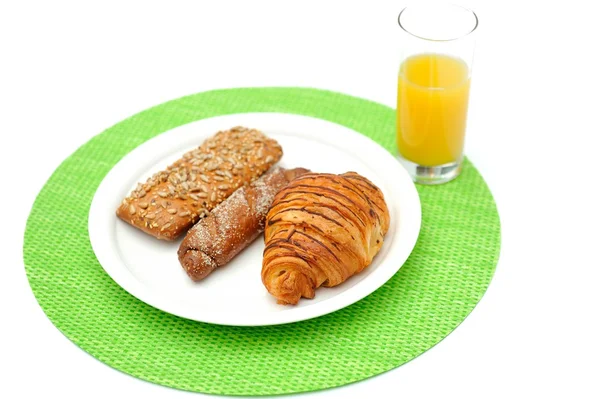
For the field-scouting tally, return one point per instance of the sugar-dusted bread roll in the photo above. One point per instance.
(173, 200)
(232, 225)
(321, 230)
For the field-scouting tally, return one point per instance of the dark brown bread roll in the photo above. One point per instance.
(232, 225)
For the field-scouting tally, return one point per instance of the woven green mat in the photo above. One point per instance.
(442, 281)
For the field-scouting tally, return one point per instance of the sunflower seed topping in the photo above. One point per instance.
(212, 166)
(202, 177)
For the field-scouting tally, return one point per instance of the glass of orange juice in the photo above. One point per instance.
(433, 89)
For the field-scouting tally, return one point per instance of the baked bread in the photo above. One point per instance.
(320, 230)
(173, 200)
(232, 225)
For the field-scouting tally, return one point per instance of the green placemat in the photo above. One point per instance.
(442, 281)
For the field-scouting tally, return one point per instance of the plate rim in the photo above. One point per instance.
(140, 291)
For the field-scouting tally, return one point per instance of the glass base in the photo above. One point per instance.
(432, 174)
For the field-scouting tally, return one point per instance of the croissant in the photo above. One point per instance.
(321, 230)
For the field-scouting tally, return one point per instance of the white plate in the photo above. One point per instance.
(234, 294)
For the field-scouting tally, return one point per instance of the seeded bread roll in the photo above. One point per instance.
(233, 225)
(173, 200)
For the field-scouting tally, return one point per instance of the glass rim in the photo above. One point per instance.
(440, 40)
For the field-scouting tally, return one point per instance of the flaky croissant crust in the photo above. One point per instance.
(321, 230)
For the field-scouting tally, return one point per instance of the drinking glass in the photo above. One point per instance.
(437, 46)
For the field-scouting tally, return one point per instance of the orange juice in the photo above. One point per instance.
(433, 95)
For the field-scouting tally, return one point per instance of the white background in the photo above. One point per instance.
(69, 70)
